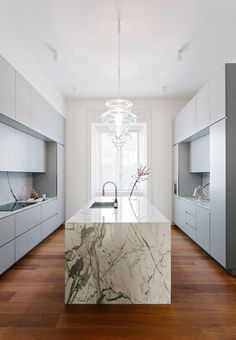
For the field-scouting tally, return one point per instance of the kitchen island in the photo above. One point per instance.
(118, 256)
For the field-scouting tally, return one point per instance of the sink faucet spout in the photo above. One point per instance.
(103, 192)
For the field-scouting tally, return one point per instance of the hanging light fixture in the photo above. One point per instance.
(119, 117)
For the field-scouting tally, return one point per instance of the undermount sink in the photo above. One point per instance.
(102, 205)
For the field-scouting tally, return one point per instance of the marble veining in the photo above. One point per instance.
(117, 263)
(21, 183)
(138, 209)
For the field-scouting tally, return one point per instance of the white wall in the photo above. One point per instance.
(160, 113)
(13, 50)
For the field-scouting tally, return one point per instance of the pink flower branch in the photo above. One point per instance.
(141, 176)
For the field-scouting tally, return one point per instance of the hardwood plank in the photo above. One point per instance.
(32, 300)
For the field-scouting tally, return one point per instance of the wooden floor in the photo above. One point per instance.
(32, 301)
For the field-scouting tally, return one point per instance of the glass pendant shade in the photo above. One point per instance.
(118, 118)
(120, 140)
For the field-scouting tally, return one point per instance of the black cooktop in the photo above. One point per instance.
(15, 206)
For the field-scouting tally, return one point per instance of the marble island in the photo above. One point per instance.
(118, 256)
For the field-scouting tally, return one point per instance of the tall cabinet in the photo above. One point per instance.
(61, 183)
(215, 111)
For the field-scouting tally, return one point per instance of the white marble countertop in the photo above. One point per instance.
(204, 203)
(39, 201)
(138, 209)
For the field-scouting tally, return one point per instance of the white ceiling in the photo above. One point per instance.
(84, 34)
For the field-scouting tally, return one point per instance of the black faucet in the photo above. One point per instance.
(103, 192)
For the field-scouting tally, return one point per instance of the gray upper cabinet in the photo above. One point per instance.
(22, 103)
(185, 121)
(13, 151)
(199, 155)
(39, 114)
(203, 108)
(45, 119)
(36, 155)
(22, 100)
(7, 89)
(217, 97)
(20, 152)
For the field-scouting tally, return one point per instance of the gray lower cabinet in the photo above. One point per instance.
(6, 230)
(49, 209)
(22, 231)
(7, 89)
(203, 228)
(194, 220)
(49, 226)
(179, 212)
(27, 241)
(7, 256)
(190, 231)
(27, 219)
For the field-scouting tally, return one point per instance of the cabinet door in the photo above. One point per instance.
(185, 121)
(218, 192)
(49, 209)
(27, 241)
(175, 180)
(199, 155)
(61, 184)
(203, 108)
(13, 150)
(32, 154)
(22, 100)
(6, 256)
(6, 230)
(61, 125)
(40, 117)
(180, 213)
(27, 219)
(7, 89)
(217, 97)
(49, 226)
(41, 156)
(203, 228)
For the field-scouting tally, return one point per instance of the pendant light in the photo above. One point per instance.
(119, 117)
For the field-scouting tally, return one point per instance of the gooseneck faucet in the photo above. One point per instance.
(103, 192)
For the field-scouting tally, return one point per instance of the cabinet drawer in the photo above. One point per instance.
(190, 220)
(190, 208)
(6, 256)
(6, 230)
(27, 241)
(49, 226)
(190, 231)
(49, 209)
(27, 219)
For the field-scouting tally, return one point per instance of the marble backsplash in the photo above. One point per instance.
(21, 183)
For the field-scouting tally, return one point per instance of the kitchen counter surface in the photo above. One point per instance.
(4, 214)
(138, 209)
(118, 257)
(204, 203)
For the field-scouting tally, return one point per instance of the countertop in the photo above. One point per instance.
(134, 210)
(204, 203)
(4, 214)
